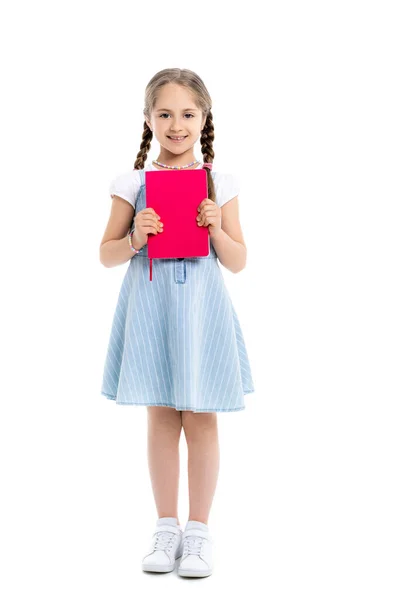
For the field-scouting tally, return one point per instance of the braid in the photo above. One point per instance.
(144, 147)
(206, 142)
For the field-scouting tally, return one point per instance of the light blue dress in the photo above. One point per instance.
(176, 341)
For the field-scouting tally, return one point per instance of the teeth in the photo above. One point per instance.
(177, 138)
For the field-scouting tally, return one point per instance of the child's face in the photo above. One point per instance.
(176, 114)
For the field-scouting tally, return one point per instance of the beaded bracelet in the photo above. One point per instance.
(130, 242)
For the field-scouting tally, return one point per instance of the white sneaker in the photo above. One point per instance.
(197, 551)
(166, 546)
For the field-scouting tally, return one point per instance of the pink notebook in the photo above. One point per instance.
(175, 195)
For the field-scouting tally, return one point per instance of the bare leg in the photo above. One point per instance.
(201, 432)
(164, 431)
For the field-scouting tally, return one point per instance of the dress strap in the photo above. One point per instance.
(142, 182)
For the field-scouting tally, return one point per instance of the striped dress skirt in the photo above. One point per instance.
(176, 340)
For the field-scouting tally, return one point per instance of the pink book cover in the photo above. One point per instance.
(175, 195)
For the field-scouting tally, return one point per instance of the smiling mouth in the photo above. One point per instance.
(180, 137)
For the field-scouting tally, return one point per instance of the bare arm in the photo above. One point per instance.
(229, 243)
(114, 247)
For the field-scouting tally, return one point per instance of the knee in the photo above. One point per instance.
(198, 425)
(163, 417)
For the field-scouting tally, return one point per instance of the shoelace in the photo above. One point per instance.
(164, 540)
(193, 544)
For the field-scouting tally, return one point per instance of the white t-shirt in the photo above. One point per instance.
(127, 185)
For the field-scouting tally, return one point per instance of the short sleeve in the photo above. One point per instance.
(126, 186)
(226, 187)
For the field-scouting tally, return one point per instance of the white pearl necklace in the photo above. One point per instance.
(169, 167)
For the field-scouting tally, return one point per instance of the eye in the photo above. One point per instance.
(162, 114)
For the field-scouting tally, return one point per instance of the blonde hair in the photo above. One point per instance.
(192, 82)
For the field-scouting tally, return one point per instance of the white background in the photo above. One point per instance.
(306, 110)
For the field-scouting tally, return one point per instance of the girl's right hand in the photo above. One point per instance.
(147, 221)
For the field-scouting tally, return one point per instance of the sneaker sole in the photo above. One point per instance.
(160, 568)
(188, 573)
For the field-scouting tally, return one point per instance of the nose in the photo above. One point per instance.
(175, 127)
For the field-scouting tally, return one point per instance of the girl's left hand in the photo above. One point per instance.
(209, 216)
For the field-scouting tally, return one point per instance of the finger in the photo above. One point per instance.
(150, 229)
(203, 202)
(210, 208)
(205, 216)
(151, 218)
(150, 211)
(150, 226)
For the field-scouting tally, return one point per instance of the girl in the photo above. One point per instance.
(176, 345)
